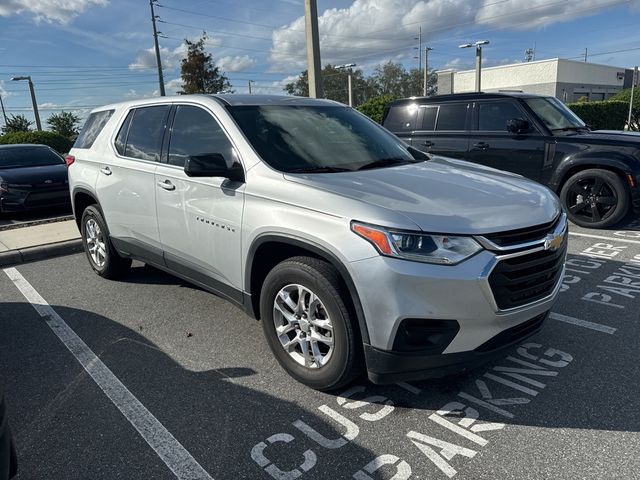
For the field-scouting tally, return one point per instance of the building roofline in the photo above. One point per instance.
(548, 60)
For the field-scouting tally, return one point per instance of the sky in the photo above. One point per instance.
(85, 53)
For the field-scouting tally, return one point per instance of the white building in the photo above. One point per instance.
(568, 80)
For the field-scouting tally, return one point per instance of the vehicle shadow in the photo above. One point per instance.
(596, 379)
(65, 427)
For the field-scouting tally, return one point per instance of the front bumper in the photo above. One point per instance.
(393, 291)
(385, 367)
(36, 200)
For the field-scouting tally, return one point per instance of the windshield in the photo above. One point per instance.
(15, 157)
(318, 138)
(555, 114)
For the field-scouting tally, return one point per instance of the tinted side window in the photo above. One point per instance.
(92, 128)
(121, 139)
(493, 116)
(429, 118)
(196, 133)
(145, 133)
(452, 117)
(401, 118)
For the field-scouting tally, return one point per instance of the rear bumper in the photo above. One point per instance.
(385, 367)
(23, 203)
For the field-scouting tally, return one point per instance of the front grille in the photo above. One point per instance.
(513, 334)
(522, 235)
(520, 280)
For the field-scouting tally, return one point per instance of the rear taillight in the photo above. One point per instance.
(69, 159)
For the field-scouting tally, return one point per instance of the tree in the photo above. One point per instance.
(625, 96)
(393, 79)
(16, 123)
(374, 108)
(334, 85)
(65, 124)
(198, 71)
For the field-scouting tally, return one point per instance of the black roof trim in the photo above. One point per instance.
(464, 97)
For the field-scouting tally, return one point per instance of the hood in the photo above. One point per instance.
(35, 176)
(445, 195)
(605, 137)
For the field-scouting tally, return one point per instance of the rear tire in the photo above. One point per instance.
(306, 300)
(103, 257)
(595, 198)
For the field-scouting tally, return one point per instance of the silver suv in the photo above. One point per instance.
(354, 250)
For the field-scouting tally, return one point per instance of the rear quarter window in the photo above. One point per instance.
(401, 118)
(92, 128)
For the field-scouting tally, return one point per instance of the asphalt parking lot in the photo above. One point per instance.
(151, 378)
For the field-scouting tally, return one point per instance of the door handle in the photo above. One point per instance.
(167, 185)
(481, 145)
(428, 143)
(106, 170)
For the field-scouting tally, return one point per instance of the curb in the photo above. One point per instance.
(40, 252)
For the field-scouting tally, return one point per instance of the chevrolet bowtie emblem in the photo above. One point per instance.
(553, 242)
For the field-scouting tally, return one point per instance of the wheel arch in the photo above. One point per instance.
(82, 198)
(276, 248)
(571, 168)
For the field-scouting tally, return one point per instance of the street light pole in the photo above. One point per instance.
(314, 71)
(157, 47)
(33, 99)
(250, 82)
(348, 67)
(426, 70)
(478, 46)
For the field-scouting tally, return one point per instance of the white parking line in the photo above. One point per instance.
(601, 237)
(583, 323)
(170, 450)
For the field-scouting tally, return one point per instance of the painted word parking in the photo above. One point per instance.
(519, 377)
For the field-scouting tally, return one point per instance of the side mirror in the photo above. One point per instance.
(213, 165)
(518, 125)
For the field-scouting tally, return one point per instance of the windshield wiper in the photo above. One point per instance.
(385, 162)
(319, 169)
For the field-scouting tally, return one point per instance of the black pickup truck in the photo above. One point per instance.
(595, 174)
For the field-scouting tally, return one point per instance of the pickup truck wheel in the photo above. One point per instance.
(595, 198)
(103, 258)
(307, 324)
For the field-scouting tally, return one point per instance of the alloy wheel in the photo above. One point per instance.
(95, 243)
(303, 326)
(592, 199)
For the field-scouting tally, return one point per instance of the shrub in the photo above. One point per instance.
(374, 108)
(56, 141)
(608, 115)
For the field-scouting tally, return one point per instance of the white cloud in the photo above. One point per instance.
(172, 86)
(370, 29)
(236, 63)
(170, 57)
(60, 11)
(3, 91)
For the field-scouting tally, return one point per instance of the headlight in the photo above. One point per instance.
(417, 246)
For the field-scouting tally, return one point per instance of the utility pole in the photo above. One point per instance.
(155, 41)
(419, 38)
(4, 114)
(426, 70)
(633, 86)
(250, 82)
(33, 99)
(314, 71)
(586, 52)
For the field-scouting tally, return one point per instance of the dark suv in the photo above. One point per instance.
(595, 174)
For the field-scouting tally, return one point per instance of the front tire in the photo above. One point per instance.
(307, 324)
(595, 198)
(103, 257)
